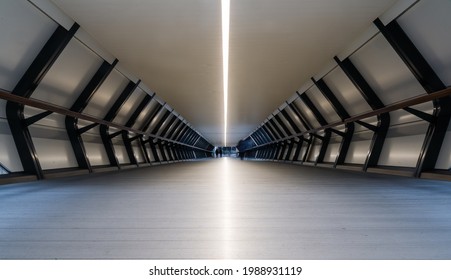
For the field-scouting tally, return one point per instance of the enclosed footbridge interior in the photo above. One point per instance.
(332, 119)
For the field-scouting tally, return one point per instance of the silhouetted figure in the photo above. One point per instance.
(220, 152)
(241, 154)
(217, 152)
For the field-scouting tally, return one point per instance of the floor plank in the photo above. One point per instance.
(226, 208)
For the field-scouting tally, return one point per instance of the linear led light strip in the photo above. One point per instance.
(225, 5)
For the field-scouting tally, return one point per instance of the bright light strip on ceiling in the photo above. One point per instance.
(225, 5)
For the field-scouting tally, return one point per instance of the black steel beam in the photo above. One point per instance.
(73, 132)
(319, 117)
(290, 121)
(25, 88)
(260, 137)
(431, 82)
(130, 122)
(181, 132)
(87, 128)
(273, 124)
(282, 125)
(151, 116)
(370, 96)
(298, 149)
(269, 132)
(307, 149)
(308, 102)
(343, 114)
(169, 127)
(173, 132)
(290, 150)
(160, 122)
(162, 150)
(300, 115)
(111, 114)
(266, 134)
(368, 126)
(33, 119)
(420, 114)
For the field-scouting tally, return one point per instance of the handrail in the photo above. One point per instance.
(389, 108)
(6, 95)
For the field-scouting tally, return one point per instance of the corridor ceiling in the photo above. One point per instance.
(174, 47)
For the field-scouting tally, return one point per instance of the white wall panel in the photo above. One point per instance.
(54, 153)
(401, 151)
(358, 151)
(69, 75)
(8, 152)
(346, 92)
(387, 75)
(96, 153)
(307, 113)
(444, 159)
(106, 95)
(314, 151)
(138, 153)
(144, 114)
(24, 31)
(129, 106)
(149, 152)
(428, 24)
(322, 104)
(332, 152)
(295, 118)
(121, 154)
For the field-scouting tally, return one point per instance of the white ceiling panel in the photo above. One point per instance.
(174, 46)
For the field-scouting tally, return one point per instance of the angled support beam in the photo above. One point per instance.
(144, 149)
(154, 150)
(168, 126)
(431, 82)
(74, 133)
(283, 147)
(112, 113)
(31, 120)
(375, 103)
(282, 124)
(290, 121)
(368, 126)
(87, 128)
(161, 122)
(307, 150)
(125, 134)
(182, 130)
(115, 134)
(319, 117)
(317, 136)
(298, 150)
(258, 139)
(338, 132)
(25, 88)
(422, 115)
(158, 109)
(275, 129)
(269, 131)
(173, 132)
(300, 115)
(290, 150)
(161, 147)
(266, 134)
(326, 138)
(343, 114)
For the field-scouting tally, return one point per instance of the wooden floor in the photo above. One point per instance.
(226, 208)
